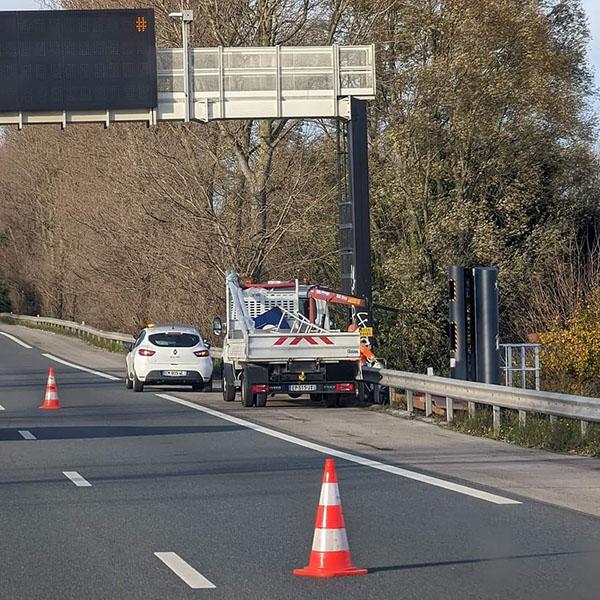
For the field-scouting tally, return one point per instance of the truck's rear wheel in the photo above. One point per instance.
(330, 400)
(228, 383)
(261, 399)
(248, 398)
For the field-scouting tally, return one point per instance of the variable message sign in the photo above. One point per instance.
(76, 60)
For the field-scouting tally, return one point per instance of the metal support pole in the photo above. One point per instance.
(409, 401)
(537, 367)
(428, 405)
(186, 17)
(449, 410)
(584, 428)
(358, 179)
(496, 417)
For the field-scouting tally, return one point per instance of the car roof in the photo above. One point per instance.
(164, 327)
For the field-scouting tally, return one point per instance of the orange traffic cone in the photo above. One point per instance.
(330, 555)
(51, 398)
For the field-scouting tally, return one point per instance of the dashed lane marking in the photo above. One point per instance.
(77, 479)
(27, 435)
(361, 460)
(184, 571)
(16, 340)
(74, 366)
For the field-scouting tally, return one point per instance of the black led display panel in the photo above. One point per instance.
(77, 60)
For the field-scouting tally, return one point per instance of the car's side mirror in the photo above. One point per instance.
(206, 343)
(217, 326)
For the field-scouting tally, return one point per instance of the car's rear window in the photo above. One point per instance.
(174, 340)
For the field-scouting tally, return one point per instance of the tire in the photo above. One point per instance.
(346, 399)
(330, 400)
(228, 383)
(261, 399)
(295, 396)
(316, 397)
(248, 398)
(197, 387)
(128, 382)
(138, 386)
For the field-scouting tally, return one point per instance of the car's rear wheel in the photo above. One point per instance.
(138, 386)
(128, 382)
(228, 383)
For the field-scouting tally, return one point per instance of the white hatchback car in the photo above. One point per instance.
(169, 355)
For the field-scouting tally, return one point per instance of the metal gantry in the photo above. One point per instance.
(204, 84)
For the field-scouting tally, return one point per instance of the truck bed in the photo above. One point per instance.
(279, 347)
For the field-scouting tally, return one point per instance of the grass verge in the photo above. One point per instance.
(563, 435)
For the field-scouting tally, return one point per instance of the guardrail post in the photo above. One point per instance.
(496, 417)
(428, 405)
(553, 419)
(584, 428)
(449, 409)
(522, 418)
(409, 401)
(472, 408)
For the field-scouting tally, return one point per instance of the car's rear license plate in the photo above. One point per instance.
(174, 373)
(303, 388)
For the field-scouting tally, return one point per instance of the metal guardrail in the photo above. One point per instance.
(497, 396)
(86, 332)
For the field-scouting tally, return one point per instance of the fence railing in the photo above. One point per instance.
(520, 365)
(498, 397)
(86, 332)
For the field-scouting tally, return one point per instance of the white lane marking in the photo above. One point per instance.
(1, 407)
(64, 362)
(361, 460)
(27, 435)
(185, 571)
(77, 479)
(16, 340)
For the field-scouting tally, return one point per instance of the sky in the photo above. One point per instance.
(592, 8)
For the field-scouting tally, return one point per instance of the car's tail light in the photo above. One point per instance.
(344, 387)
(201, 353)
(144, 352)
(259, 388)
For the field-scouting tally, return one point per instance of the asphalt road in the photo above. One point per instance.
(238, 507)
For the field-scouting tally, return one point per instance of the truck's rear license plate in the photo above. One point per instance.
(174, 373)
(303, 388)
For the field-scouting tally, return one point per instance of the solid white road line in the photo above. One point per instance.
(77, 479)
(366, 462)
(16, 340)
(27, 435)
(64, 362)
(186, 572)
